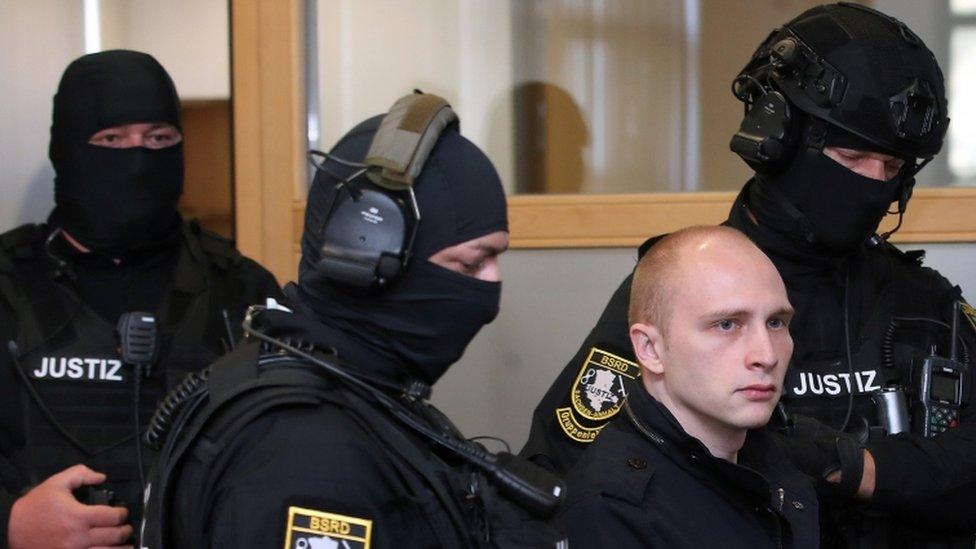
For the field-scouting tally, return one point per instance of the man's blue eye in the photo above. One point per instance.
(725, 325)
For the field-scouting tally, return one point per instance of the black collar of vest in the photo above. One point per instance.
(190, 275)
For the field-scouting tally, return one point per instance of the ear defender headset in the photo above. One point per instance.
(769, 134)
(368, 224)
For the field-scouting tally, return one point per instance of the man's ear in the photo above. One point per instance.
(648, 343)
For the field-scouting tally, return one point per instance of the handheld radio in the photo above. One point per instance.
(939, 385)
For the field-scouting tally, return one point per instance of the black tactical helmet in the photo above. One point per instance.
(853, 67)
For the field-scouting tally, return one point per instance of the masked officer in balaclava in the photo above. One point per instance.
(317, 430)
(844, 106)
(72, 388)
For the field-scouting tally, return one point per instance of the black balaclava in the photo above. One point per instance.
(832, 209)
(426, 319)
(114, 200)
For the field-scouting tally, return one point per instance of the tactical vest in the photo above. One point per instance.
(880, 357)
(204, 417)
(76, 396)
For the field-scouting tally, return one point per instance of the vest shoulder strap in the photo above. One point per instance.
(21, 240)
(28, 287)
(236, 394)
(219, 249)
(450, 527)
(242, 387)
(916, 289)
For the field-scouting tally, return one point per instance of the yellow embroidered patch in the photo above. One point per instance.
(597, 394)
(573, 429)
(313, 529)
(970, 312)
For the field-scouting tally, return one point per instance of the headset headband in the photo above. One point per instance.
(367, 232)
(405, 138)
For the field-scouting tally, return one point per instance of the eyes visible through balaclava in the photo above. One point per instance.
(113, 199)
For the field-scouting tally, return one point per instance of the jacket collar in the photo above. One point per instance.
(654, 421)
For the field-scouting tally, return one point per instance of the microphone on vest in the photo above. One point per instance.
(139, 346)
(138, 341)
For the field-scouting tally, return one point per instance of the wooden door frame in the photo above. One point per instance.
(268, 96)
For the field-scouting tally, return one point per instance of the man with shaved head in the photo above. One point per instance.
(709, 325)
(844, 105)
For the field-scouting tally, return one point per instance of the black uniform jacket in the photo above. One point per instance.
(914, 474)
(67, 357)
(334, 468)
(646, 483)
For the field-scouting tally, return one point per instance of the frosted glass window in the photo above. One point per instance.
(565, 96)
(962, 7)
(594, 96)
(962, 92)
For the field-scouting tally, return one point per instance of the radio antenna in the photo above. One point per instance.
(953, 350)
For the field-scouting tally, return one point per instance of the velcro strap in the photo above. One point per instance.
(405, 138)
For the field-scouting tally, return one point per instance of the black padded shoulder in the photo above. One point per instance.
(20, 242)
(218, 249)
(925, 278)
(626, 468)
(915, 257)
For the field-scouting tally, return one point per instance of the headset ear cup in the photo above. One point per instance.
(388, 268)
(367, 230)
(766, 138)
(364, 238)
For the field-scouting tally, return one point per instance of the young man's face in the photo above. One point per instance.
(726, 345)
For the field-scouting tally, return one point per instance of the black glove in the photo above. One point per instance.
(819, 450)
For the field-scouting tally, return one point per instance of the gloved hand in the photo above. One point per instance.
(819, 451)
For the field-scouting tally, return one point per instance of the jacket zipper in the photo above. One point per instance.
(656, 438)
(776, 520)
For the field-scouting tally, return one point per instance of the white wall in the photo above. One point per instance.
(191, 38)
(38, 38)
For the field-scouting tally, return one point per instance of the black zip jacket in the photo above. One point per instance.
(646, 483)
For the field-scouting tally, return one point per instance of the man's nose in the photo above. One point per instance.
(873, 168)
(762, 352)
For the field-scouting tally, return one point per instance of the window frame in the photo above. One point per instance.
(270, 172)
